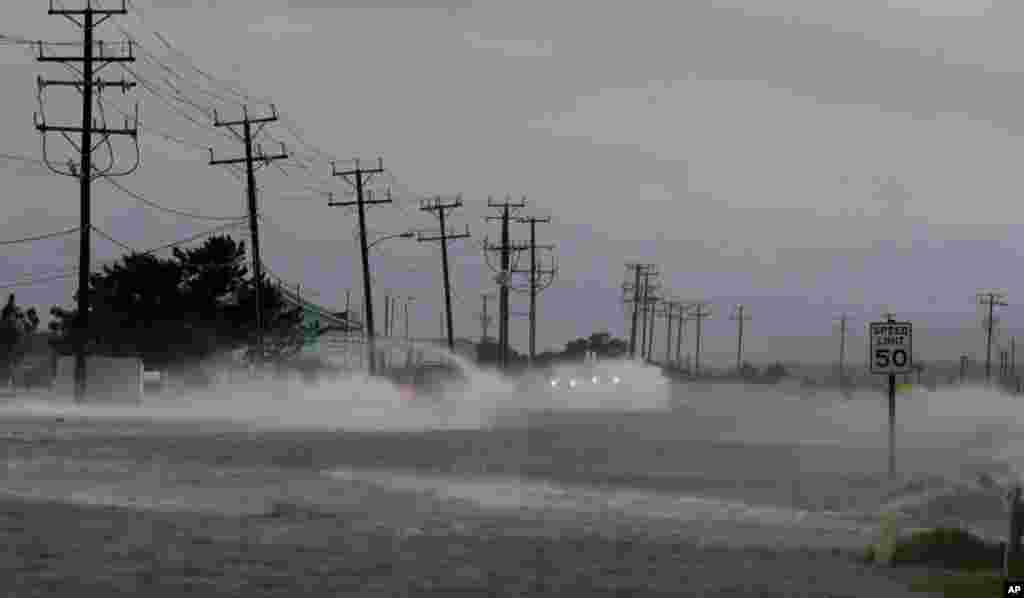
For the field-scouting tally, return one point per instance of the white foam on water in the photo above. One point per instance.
(507, 493)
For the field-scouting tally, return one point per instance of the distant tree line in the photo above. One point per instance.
(601, 344)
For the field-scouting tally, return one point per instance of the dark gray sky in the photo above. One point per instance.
(804, 157)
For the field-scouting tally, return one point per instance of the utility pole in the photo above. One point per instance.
(699, 314)
(506, 249)
(638, 272)
(387, 316)
(360, 177)
(644, 294)
(485, 320)
(86, 170)
(740, 316)
(1013, 356)
(534, 277)
(348, 312)
(394, 316)
(842, 350)
(250, 159)
(649, 271)
(439, 208)
(408, 300)
(991, 299)
(652, 313)
(669, 307)
(680, 332)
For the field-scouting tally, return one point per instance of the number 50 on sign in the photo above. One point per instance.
(891, 347)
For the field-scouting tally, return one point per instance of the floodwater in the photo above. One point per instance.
(747, 464)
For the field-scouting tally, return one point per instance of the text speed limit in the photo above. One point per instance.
(895, 357)
(891, 347)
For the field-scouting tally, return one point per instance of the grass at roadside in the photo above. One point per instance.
(960, 564)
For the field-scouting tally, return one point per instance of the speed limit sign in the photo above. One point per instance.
(891, 347)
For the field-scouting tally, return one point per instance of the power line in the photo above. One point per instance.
(37, 281)
(40, 237)
(240, 95)
(195, 237)
(157, 206)
(74, 271)
(112, 239)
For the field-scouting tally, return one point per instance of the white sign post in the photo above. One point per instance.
(891, 352)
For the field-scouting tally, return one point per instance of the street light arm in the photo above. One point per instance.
(405, 235)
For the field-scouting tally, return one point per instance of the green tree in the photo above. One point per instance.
(179, 310)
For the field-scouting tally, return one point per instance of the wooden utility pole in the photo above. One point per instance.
(86, 171)
(360, 177)
(348, 312)
(669, 313)
(636, 289)
(485, 320)
(438, 207)
(534, 272)
(740, 316)
(652, 313)
(842, 350)
(504, 274)
(649, 272)
(250, 160)
(991, 299)
(408, 300)
(701, 311)
(680, 332)
(394, 316)
(644, 294)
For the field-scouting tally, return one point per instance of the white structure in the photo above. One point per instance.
(109, 379)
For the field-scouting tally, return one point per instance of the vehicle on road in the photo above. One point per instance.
(588, 375)
(427, 383)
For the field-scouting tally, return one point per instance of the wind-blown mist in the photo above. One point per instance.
(365, 403)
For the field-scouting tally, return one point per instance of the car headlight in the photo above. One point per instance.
(594, 379)
(572, 383)
(616, 380)
(554, 382)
